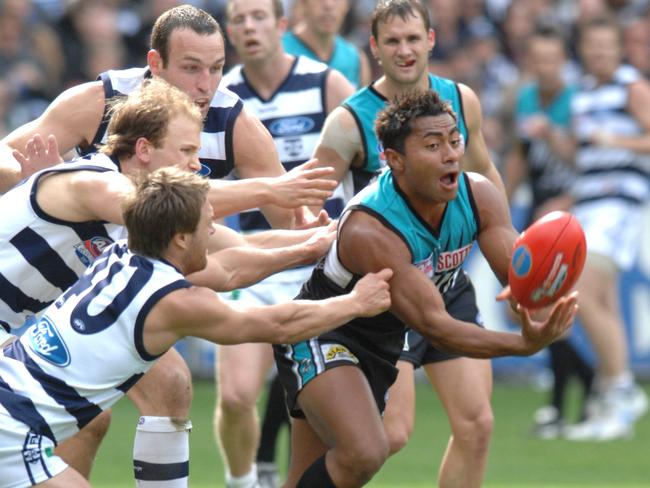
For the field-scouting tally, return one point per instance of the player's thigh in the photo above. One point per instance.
(166, 389)
(464, 386)
(340, 407)
(241, 371)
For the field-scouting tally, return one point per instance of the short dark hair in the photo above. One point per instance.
(278, 9)
(161, 205)
(387, 9)
(547, 33)
(177, 18)
(393, 124)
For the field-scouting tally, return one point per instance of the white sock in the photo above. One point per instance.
(249, 480)
(161, 453)
(622, 381)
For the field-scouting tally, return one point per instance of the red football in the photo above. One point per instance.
(547, 259)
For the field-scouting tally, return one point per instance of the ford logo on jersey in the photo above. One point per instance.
(46, 342)
(291, 126)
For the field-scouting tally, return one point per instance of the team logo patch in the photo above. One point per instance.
(89, 249)
(426, 266)
(337, 352)
(294, 147)
(554, 281)
(46, 342)
(204, 171)
(291, 126)
(32, 448)
(522, 261)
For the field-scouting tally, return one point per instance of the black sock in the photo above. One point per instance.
(275, 416)
(316, 476)
(561, 365)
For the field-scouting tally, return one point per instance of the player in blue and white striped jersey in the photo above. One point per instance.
(62, 217)
(54, 379)
(291, 96)
(188, 52)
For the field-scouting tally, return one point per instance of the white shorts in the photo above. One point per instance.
(278, 288)
(26, 458)
(612, 229)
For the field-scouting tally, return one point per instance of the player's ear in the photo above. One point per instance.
(395, 160)
(155, 62)
(143, 150)
(373, 48)
(431, 38)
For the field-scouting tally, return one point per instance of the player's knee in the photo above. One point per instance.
(398, 433)
(236, 400)
(164, 392)
(475, 433)
(361, 461)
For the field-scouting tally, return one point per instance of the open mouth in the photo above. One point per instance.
(202, 103)
(251, 43)
(449, 179)
(406, 64)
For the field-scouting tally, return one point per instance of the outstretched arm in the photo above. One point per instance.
(72, 118)
(241, 266)
(307, 184)
(366, 245)
(198, 312)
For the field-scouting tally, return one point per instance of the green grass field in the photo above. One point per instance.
(517, 460)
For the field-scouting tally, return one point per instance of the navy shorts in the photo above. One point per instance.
(300, 363)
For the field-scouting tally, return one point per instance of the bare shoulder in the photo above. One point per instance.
(366, 245)
(338, 89)
(490, 204)
(471, 105)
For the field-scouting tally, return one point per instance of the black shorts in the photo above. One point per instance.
(460, 302)
(300, 363)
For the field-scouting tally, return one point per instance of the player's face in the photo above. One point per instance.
(546, 61)
(600, 51)
(196, 256)
(195, 65)
(253, 29)
(432, 153)
(402, 48)
(180, 147)
(325, 16)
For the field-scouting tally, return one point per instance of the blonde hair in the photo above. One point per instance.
(162, 204)
(146, 113)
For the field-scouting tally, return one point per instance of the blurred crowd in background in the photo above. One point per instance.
(49, 45)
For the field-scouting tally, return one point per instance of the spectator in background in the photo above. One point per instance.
(92, 41)
(636, 43)
(316, 35)
(611, 124)
(542, 143)
(30, 56)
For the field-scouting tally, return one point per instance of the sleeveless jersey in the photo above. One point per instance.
(549, 176)
(364, 107)
(439, 253)
(294, 116)
(608, 172)
(87, 349)
(42, 256)
(216, 153)
(345, 56)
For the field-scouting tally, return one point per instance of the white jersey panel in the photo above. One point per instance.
(41, 256)
(87, 349)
